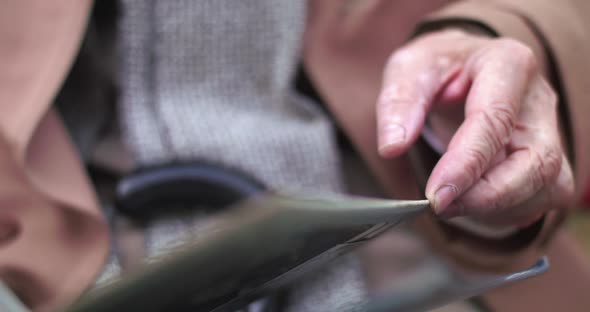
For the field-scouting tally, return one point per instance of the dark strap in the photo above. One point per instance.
(152, 190)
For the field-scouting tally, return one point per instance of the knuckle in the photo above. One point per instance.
(549, 93)
(545, 169)
(535, 175)
(499, 121)
(502, 120)
(523, 54)
(529, 61)
(552, 165)
(476, 162)
(403, 56)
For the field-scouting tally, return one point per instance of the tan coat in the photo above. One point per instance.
(53, 239)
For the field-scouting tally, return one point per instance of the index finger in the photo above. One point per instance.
(412, 79)
(500, 79)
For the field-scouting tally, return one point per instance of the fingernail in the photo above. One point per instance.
(392, 136)
(443, 197)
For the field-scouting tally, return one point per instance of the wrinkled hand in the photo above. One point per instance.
(504, 162)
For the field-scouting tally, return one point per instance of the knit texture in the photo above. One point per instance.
(213, 80)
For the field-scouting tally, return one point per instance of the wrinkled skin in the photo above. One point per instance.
(487, 98)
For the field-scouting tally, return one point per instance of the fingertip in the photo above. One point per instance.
(442, 198)
(453, 209)
(392, 140)
(390, 150)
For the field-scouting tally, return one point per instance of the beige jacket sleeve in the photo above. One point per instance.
(53, 239)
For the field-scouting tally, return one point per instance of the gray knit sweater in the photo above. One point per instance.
(213, 80)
